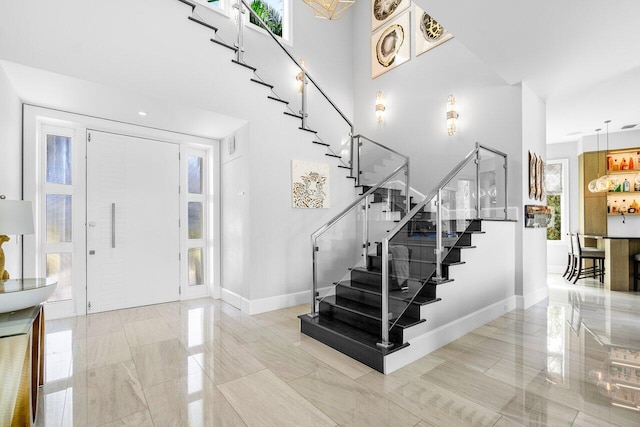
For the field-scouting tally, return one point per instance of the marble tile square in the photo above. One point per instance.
(349, 403)
(513, 373)
(98, 351)
(163, 361)
(338, 361)
(283, 359)
(440, 406)
(148, 331)
(102, 323)
(190, 401)
(225, 360)
(139, 419)
(137, 314)
(262, 399)
(103, 395)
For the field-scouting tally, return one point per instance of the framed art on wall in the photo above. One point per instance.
(309, 185)
(532, 175)
(383, 11)
(428, 32)
(391, 45)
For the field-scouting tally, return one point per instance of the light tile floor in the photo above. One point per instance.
(570, 360)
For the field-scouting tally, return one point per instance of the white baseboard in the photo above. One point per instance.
(524, 302)
(424, 344)
(262, 305)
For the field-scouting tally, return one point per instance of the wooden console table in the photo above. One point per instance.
(21, 365)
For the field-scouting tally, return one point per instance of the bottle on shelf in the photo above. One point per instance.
(608, 206)
(626, 185)
(610, 162)
(632, 164)
(634, 206)
(624, 165)
(616, 167)
(638, 160)
(623, 207)
(614, 207)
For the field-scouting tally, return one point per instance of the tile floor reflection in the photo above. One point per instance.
(571, 360)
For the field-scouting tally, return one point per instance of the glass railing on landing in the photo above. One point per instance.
(347, 245)
(417, 253)
(374, 161)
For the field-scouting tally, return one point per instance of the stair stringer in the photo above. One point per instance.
(483, 290)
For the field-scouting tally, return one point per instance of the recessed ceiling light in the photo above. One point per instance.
(629, 126)
(574, 133)
(142, 113)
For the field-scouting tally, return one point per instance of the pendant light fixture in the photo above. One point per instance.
(329, 9)
(593, 184)
(605, 182)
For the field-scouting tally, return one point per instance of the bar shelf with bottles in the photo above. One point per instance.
(623, 168)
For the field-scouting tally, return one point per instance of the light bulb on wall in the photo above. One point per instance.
(452, 115)
(300, 76)
(380, 107)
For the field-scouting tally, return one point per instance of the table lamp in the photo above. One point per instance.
(16, 218)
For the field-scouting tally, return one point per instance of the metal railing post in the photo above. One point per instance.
(314, 291)
(303, 111)
(240, 42)
(352, 162)
(385, 296)
(506, 187)
(365, 233)
(407, 189)
(359, 171)
(477, 180)
(438, 250)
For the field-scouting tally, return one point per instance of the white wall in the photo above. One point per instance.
(11, 163)
(532, 253)
(181, 69)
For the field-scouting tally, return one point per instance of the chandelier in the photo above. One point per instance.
(329, 9)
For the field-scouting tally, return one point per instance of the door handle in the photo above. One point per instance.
(113, 225)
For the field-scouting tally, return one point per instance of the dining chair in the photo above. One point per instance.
(584, 254)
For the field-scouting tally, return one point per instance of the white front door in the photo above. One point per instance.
(133, 211)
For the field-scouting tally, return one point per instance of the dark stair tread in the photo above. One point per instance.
(204, 24)
(278, 99)
(244, 65)
(262, 83)
(188, 3)
(297, 116)
(308, 130)
(396, 295)
(352, 177)
(321, 143)
(351, 336)
(228, 46)
(333, 155)
(346, 167)
(369, 311)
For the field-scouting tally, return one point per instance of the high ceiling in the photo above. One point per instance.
(580, 56)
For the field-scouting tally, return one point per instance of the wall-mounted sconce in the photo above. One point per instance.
(380, 107)
(300, 76)
(452, 115)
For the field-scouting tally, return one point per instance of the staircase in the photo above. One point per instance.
(378, 264)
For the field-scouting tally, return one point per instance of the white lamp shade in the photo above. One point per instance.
(16, 217)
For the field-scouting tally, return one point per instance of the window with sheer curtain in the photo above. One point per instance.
(556, 190)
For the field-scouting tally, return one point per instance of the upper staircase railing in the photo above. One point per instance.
(303, 76)
(476, 189)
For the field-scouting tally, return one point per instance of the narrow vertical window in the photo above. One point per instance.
(196, 210)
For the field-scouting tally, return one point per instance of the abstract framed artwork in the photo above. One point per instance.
(532, 175)
(309, 185)
(428, 32)
(383, 11)
(391, 45)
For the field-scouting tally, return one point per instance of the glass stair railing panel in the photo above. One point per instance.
(418, 252)
(338, 250)
(492, 184)
(374, 161)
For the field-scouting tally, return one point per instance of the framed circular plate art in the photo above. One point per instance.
(391, 45)
(382, 11)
